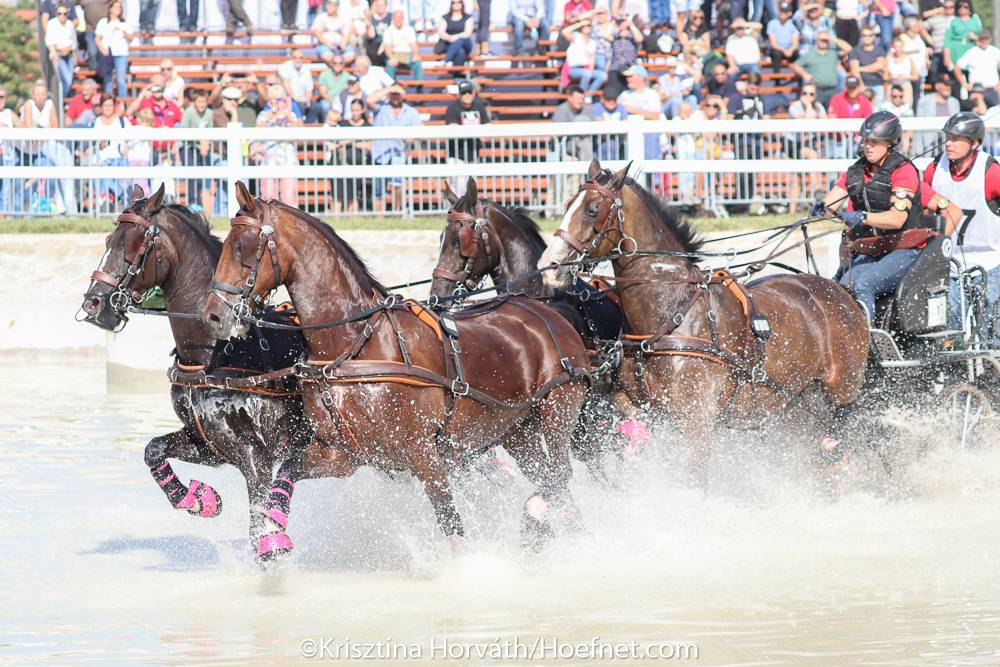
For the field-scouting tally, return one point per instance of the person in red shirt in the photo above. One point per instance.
(80, 111)
(875, 199)
(850, 103)
(165, 112)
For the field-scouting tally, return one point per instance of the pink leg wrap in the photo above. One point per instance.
(278, 517)
(203, 496)
(273, 544)
(635, 431)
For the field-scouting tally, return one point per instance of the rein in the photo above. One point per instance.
(473, 237)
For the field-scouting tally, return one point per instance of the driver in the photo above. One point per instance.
(969, 177)
(882, 212)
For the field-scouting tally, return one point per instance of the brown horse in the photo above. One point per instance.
(390, 387)
(700, 348)
(483, 238)
(168, 246)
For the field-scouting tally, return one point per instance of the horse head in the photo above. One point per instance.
(592, 225)
(132, 263)
(469, 249)
(249, 268)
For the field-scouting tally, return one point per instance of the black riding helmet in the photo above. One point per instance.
(883, 126)
(967, 125)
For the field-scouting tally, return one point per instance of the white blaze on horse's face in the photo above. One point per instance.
(559, 251)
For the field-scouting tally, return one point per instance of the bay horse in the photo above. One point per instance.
(700, 348)
(390, 386)
(483, 238)
(169, 246)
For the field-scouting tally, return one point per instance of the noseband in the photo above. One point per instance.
(122, 295)
(473, 239)
(610, 218)
(265, 242)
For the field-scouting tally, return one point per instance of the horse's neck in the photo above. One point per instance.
(185, 288)
(518, 257)
(325, 286)
(644, 304)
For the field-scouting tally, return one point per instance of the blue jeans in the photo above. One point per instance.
(518, 28)
(885, 25)
(120, 66)
(113, 187)
(992, 296)
(92, 51)
(458, 51)
(659, 12)
(416, 67)
(590, 79)
(674, 103)
(148, 9)
(870, 278)
(66, 65)
(187, 15)
(758, 9)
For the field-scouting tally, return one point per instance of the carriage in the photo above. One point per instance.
(917, 361)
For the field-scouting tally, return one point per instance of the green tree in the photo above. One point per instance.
(19, 64)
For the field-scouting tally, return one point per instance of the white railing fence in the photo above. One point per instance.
(715, 165)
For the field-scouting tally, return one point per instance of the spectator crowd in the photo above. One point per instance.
(712, 59)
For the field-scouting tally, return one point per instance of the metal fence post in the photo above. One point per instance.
(234, 160)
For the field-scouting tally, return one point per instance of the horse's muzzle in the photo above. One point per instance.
(98, 310)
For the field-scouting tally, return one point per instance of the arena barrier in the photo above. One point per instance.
(720, 166)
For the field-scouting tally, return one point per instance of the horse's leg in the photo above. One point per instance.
(197, 498)
(429, 468)
(548, 467)
(320, 459)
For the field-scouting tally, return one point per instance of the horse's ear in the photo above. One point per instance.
(594, 170)
(245, 199)
(449, 194)
(472, 190)
(137, 193)
(618, 178)
(155, 200)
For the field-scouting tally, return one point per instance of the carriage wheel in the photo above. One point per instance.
(967, 412)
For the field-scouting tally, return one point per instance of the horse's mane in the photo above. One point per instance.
(339, 244)
(681, 230)
(520, 218)
(198, 224)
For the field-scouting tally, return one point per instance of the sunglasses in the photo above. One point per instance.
(804, 94)
(62, 13)
(867, 34)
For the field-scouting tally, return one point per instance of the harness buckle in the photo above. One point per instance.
(391, 301)
(329, 372)
(677, 319)
(459, 387)
(326, 396)
(644, 346)
(757, 374)
(711, 316)
(566, 364)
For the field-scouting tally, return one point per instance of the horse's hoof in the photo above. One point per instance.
(534, 534)
(201, 500)
(273, 546)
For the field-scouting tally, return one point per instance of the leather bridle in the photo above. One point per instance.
(264, 233)
(473, 242)
(610, 219)
(122, 296)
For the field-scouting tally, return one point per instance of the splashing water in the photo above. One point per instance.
(96, 567)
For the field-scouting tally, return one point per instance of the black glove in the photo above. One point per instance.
(853, 218)
(818, 208)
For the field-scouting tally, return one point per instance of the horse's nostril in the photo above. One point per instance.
(213, 318)
(92, 305)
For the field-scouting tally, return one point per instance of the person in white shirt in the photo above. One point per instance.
(173, 82)
(333, 33)
(375, 82)
(8, 154)
(641, 100)
(742, 47)
(298, 82)
(399, 44)
(60, 40)
(983, 64)
(112, 39)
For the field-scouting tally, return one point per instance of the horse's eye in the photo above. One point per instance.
(592, 209)
(455, 240)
